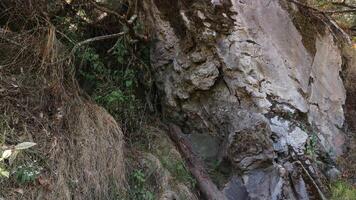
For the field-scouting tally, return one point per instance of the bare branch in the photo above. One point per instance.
(351, 10)
(340, 11)
(305, 6)
(90, 40)
(122, 19)
(94, 39)
(344, 4)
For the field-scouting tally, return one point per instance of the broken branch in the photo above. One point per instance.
(122, 19)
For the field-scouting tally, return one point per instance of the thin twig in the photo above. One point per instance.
(90, 40)
(122, 19)
(321, 194)
(353, 9)
(10, 41)
(343, 4)
(325, 18)
(340, 11)
(94, 39)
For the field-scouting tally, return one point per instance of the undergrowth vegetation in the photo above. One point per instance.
(344, 12)
(139, 187)
(341, 190)
(46, 48)
(114, 72)
(113, 81)
(55, 58)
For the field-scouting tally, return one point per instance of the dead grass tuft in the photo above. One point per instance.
(79, 145)
(89, 159)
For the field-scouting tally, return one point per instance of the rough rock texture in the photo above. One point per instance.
(348, 160)
(250, 147)
(251, 74)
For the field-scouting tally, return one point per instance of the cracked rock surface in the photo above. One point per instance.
(245, 72)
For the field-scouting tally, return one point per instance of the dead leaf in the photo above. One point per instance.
(19, 190)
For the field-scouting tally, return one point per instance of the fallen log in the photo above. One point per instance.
(196, 166)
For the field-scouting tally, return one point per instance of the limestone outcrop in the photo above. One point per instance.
(259, 81)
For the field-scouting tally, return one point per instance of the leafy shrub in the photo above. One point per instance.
(138, 190)
(10, 154)
(312, 146)
(113, 83)
(27, 173)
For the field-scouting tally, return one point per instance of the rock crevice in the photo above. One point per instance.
(243, 73)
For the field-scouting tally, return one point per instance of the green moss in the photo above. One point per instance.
(342, 190)
(163, 148)
(178, 169)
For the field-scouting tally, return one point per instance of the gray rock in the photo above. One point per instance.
(198, 57)
(204, 76)
(264, 184)
(206, 146)
(297, 140)
(235, 189)
(250, 147)
(288, 136)
(333, 174)
(261, 65)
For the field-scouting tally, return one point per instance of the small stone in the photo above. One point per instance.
(216, 2)
(207, 24)
(311, 169)
(282, 171)
(288, 166)
(249, 146)
(307, 162)
(201, 15)
(333, 173)
(297, 139)
(197, 57)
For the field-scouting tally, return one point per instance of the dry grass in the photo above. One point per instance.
(79, 145)
(89, 161)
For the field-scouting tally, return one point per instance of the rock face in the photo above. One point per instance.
(250, 147)
(254, 75)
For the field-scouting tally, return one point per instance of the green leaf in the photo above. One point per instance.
(4, 173)
(6, 154)
(128, 83)
(13, 157)
(25, 145)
